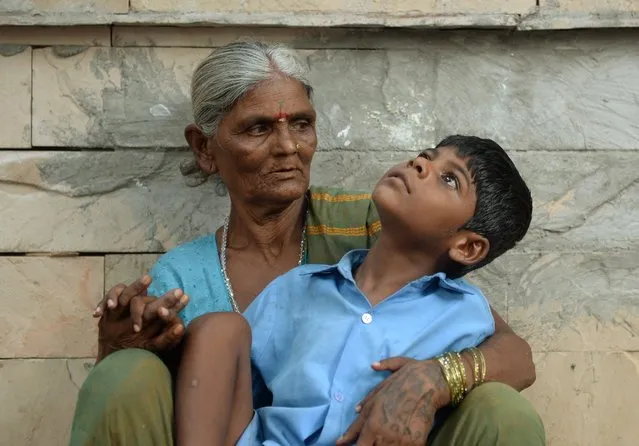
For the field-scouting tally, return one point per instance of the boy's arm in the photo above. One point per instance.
(508, 357)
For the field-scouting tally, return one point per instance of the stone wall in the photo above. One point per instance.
(91, 121)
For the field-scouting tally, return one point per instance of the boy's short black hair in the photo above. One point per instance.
(504, 205)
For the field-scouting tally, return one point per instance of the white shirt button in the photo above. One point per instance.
(367, 318)
(339, 396)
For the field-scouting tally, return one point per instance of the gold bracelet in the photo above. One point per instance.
(451, 368)
(480, 360)
(445, 366)
(462, 371)
(460, 374)
(483, 365)
(476, 367)
(456, 379)
(448, 375)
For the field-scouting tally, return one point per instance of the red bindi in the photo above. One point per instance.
(282, 116)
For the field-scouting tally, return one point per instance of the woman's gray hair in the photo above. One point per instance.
(226, 76)
(231, 71)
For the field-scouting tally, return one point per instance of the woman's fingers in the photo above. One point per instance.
(137, 288)
(372, 394)
(136, 309)
(171, 336)
(145, 309)
(109, 300)
(174, 300)
(391, 364)
(352, 433)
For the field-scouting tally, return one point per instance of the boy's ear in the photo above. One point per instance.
(469, 248)
(199, 144)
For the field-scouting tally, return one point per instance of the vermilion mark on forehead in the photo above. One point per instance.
(281, 115)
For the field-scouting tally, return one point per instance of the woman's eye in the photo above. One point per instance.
(302, 124)
(257, 130)
(450, 180)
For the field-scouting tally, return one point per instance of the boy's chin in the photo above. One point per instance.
(388, 205)
(384, 199)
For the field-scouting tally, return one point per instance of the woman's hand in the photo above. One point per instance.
(131, 319)
(401, 409)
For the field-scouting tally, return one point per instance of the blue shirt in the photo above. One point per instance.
(315, 336)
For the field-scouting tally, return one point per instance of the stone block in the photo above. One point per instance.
(106, 97)
(137, 97)
(126, 268)
(332, 6)
(295, 18)
(494, 285)
(580, 92)
(295, 37)
(101, 202)
(48, 304)
(138, 201)
(48, 36)
(37, 7)
(582, 201)
(577, 93)
(379, 101)
(571, 301)
(38, 400)
(587, 398)
(589, 6)
(582, 14)
(15, 97)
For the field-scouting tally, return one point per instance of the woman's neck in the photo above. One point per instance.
(388, 267)
(264, 230)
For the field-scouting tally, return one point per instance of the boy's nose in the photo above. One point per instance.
(421, 165)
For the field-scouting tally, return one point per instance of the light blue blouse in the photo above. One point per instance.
(193, 267)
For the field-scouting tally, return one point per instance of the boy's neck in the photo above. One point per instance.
(388, 267)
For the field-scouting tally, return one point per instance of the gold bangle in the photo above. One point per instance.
(482, 358)
(476, 367)
(453, 372)
(449, 376)
(479, 358)
(462, 371)
(456, 397)
(461, 376)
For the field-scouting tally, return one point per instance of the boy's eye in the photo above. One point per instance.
(424, 155)
(450, 180)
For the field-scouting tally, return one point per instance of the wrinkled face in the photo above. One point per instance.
(264, 146)
(427, 199)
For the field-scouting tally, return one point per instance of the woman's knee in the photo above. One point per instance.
(505, 414)
(127, 373)
(124, 394)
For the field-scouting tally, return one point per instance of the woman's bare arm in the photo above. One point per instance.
(508, 357)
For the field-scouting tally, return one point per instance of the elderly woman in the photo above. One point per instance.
(255, 128)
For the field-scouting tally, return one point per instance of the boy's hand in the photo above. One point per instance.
(401, 409)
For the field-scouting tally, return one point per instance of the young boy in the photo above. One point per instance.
(317, 329)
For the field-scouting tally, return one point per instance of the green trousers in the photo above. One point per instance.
(127, 401)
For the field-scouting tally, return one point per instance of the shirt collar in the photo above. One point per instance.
(353, 259)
